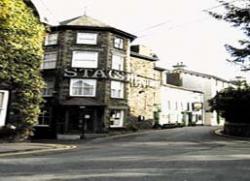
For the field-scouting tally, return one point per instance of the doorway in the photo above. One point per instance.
(79, 119)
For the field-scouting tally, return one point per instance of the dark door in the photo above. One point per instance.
(87, 117)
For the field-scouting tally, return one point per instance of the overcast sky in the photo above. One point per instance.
(176, 30)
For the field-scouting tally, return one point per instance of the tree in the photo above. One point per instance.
(21, 52)
(238, 16)
(233, 104)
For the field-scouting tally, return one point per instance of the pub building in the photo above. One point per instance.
(96, 81)
(85, 71)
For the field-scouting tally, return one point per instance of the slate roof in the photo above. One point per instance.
(84, 21)
(88, 23)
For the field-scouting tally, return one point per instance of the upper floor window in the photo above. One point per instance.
(49, 61)
(85, 59)
(49, 88)
(83, 87)
(86, 38)
(51, 39)
(119, 43)
(118, 62)
(117, 89)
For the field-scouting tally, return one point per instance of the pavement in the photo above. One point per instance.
(219, 132)
(12, 149)
(43, 146)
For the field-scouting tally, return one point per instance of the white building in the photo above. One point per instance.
(181, 106)
(208, 84)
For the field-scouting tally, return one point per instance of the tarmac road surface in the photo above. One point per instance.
(182, 154)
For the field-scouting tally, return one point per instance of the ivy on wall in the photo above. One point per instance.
(21, 52)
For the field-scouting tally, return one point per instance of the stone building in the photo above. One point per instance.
(84, 67)
(144, 86)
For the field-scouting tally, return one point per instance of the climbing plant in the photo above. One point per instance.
(21, 52)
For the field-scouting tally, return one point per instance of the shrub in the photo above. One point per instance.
(233, 104)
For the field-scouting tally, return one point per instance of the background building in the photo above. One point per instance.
(208, 84)
(143, 91)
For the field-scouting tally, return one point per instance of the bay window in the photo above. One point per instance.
(117, 89)
(117, 62)
(83, 87)
(49, 61)
(86, 38)
(49, 88)
(118, 43)
(51, 39)
(85, 59)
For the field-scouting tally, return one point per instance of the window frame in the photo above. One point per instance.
(51, 60)
(115, 119)
(47, 89)
(114, 95)
(86, 41)
(74, 63)
(120, 44)
(115, 60)
(74, 80)
(4, 106)
(42, 117)
(48, 38)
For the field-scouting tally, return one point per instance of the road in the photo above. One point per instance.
(182, 154)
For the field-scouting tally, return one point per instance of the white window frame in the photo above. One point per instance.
(51, 39)
(86, 38)
(49, 61)
(42, 117)
(49, 88)
(3, 106)
(85, 61)
(118, 42)
(118, 62)
(88, 81)
(117, 89)
(117, 118)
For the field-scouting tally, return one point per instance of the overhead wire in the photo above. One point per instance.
(183, 24)
(49, 11)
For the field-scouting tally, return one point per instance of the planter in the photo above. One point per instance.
(237, 129)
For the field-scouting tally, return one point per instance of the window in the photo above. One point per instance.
(86, 38)
(1, 99)
(169, 105)
(49, 88)
(83, 87)
(116, 118)
(4, 95)
(49, 61)
(118, 62)
(51, 39)
(44, 118)
(118, 43)
(85, 59)
(117, 89)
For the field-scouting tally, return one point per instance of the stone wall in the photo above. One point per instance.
(143, 99)
(237, 129)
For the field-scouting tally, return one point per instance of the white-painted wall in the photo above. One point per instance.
(210, 86)
(175, 101)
